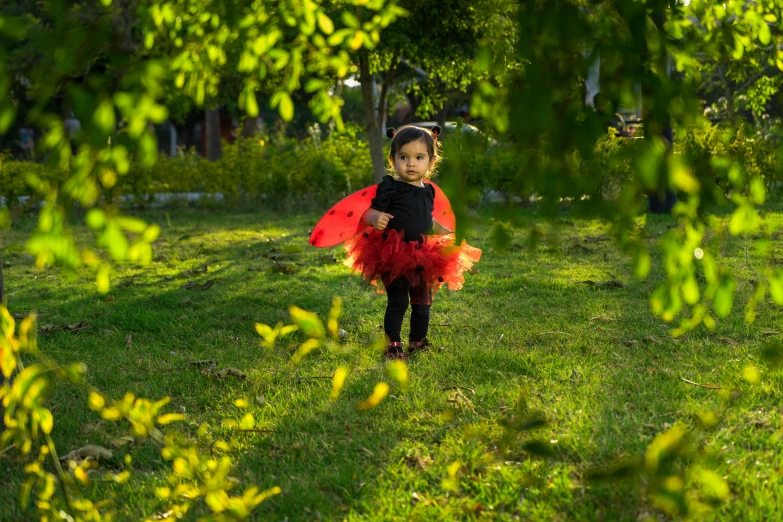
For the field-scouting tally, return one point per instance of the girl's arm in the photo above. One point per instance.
(370, 216)
(376, 219)
(440, 229)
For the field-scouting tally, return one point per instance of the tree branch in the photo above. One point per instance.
(749, 81)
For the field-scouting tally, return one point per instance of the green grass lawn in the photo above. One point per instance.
(596, 362)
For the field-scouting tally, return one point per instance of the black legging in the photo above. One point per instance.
(398, 292)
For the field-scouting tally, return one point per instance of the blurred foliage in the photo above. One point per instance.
(114, 65)
(666, 48)
(263, 171)
(117, 70)
(199, 468)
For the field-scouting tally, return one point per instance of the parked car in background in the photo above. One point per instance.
(450, 127)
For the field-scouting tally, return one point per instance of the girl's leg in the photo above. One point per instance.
(420, 314)
(420, 322)
(397, 293)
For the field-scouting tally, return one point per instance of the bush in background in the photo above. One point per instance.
(279, 172)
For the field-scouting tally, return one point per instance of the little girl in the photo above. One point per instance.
(398, 245)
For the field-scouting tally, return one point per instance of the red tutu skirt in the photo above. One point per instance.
(427, 265)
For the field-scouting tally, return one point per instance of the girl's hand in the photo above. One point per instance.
(382, 220)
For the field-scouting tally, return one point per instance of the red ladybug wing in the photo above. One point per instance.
(442, 212)
(343, 220)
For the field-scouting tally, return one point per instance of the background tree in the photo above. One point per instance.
(431, 51)
(556, 138)
(740, 65)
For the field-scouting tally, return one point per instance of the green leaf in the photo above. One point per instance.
(114, 241)
(724, 296)
(690, 290)
(308, 323)
(151, 233)
(314, 84)
(102, 278)
(483, 59)
(46, 420)
(132, 224)
(641, 265)
(350, 19)
(665, 446)
(104, 116)
(306, 347)
(398, 371)
(251, 104)
(339, 37)
(24, 493)
(338, 381)
(334, 316)
(95, 218)
(739, 49)
(683, 178)
(96, 401)
(744, 220)
(776, 287)
(325, 23)
(713, 485)
(751, 374)
(765, 35)
(7, 115)
(148, 150)
(169, 418)
(286, 107)
(157, 113)
(357, 40)
(757, 190)
(379, 393)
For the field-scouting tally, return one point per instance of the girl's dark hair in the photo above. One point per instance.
(411, 133)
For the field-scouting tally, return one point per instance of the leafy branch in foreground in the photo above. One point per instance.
(320, 337)
(196, 475)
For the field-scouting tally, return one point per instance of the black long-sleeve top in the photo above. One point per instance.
(410, 205)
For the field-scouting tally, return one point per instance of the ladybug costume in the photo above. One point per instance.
(410, 261)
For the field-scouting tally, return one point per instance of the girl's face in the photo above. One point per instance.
(412, 162)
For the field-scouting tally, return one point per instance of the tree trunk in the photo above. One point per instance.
(661, 201)
(440, 118)
(250, 128)
(383, 110)
(373, 130)
(414, 102)
(212, 122)
(728, 93)
(172, 139)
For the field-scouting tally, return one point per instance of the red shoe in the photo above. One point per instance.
(415, 347)
(394, 351)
